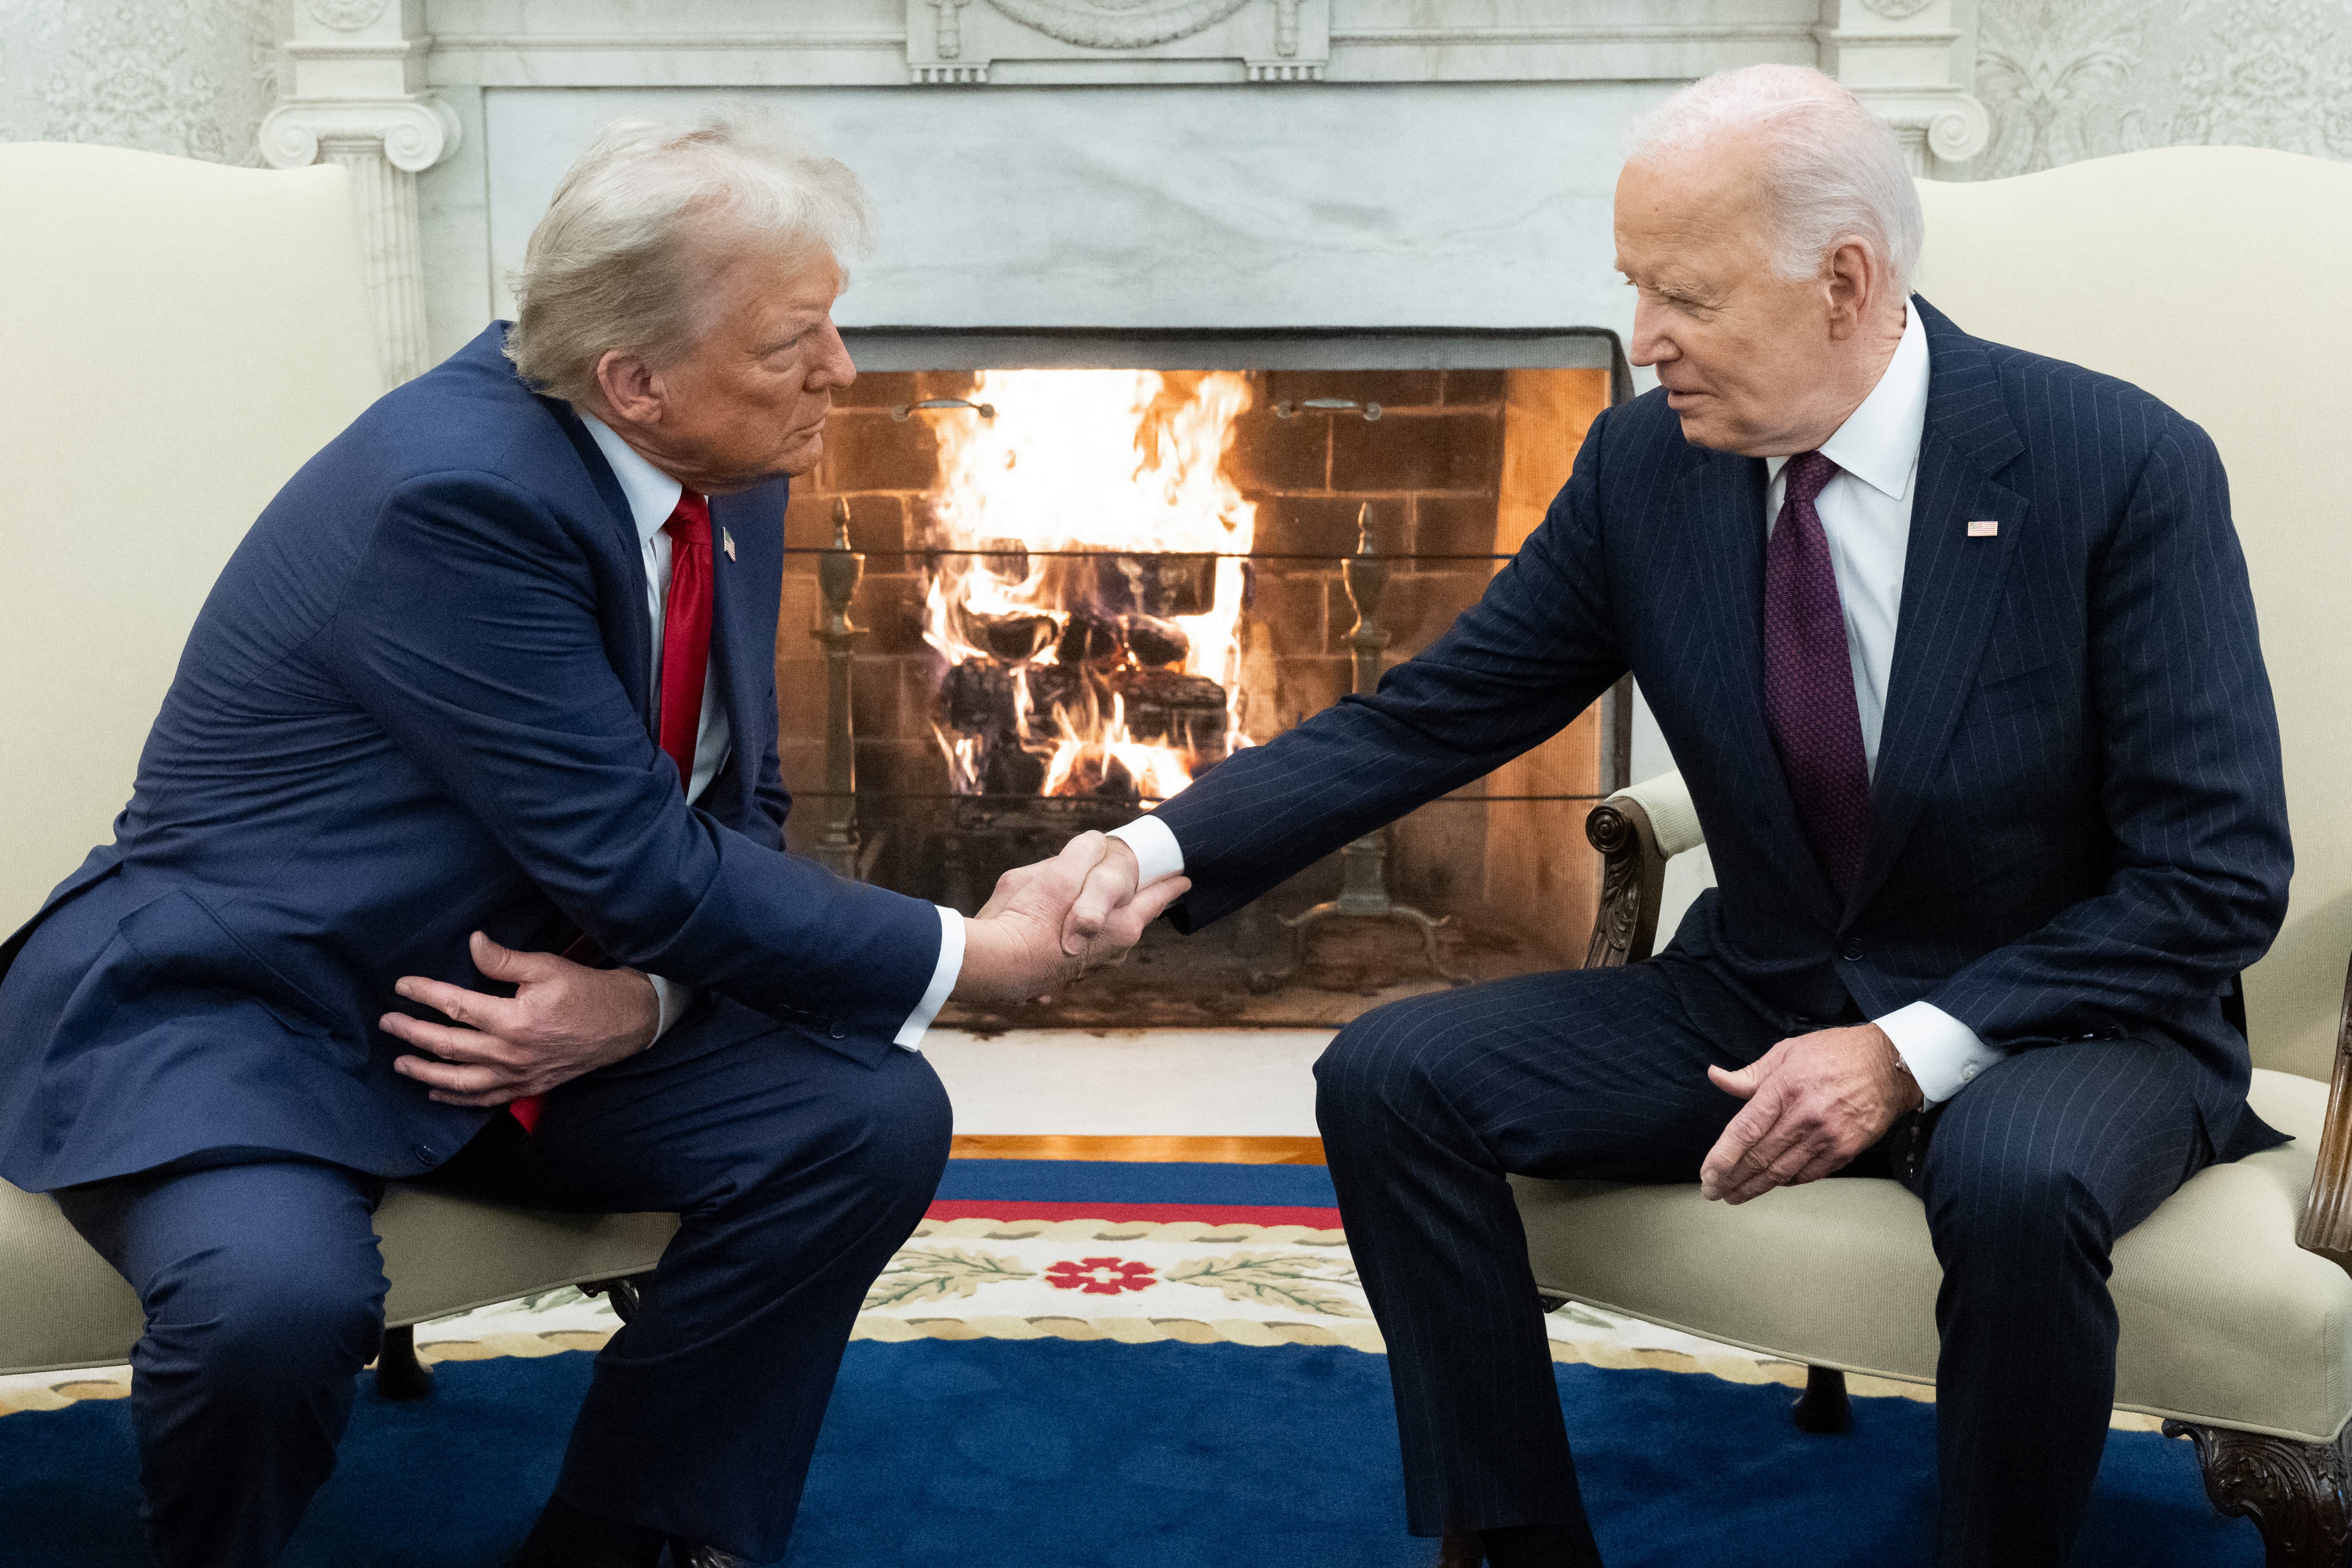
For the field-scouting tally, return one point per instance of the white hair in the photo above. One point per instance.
(1835, 169)
(622, 257)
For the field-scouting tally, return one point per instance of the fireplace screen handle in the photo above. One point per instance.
(906, 410)
(1286, 410)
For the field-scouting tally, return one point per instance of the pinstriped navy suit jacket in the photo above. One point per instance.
(2078, 820)
(417, 703)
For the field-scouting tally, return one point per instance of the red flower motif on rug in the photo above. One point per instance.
(1100, 1275)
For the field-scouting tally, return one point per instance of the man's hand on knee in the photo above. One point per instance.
(564, 1019)
(1814, 1101)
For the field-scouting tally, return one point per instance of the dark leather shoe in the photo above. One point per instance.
(687, 1555)
(1464, 1550)
(566, 1538)
(1540, 1546)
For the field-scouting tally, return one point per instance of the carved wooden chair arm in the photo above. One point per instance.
(2326, 1226)
(1637, 831)
(1633, 876)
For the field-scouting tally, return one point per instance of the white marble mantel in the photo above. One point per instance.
(1164, 162)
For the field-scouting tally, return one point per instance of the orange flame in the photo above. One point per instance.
(1124, 461)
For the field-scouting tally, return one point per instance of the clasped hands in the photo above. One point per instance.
(566, 1019)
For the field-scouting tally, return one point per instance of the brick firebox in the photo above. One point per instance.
(1458, 467)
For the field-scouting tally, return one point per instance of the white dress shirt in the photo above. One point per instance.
(653, 496)
(1865, 511)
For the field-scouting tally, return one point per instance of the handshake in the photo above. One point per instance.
(1049, 924)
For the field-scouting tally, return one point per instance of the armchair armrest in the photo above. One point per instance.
(2326, 1226)
(1637, 831)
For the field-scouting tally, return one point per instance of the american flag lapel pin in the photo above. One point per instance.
(1985, 528)
(727, 541)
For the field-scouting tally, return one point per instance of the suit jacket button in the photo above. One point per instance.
(1854, 951)
(424, 1152)
(839, 1029)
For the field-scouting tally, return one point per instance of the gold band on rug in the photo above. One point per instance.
(1081, 1146)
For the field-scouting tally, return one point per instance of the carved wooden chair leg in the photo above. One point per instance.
(624, 1293)
(1823, 1406)
(2295, 1492)
(398, 1374)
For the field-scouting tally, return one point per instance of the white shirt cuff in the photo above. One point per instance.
(1157, 852)
(943, 979)
(674, 1000)
(1943, 1054)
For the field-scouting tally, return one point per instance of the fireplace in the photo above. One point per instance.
(1188, 206)
(1043, 578)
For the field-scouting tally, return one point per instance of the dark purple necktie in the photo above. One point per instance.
(1809, 679)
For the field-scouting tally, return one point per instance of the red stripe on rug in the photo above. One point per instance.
(1155, 1214)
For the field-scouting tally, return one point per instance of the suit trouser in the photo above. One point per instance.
(2031, 1174)
(796, 1172)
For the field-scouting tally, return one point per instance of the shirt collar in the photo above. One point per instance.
(1879, 442)
(651, 495)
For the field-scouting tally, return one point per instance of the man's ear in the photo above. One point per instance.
(631, 388)
(1851, 281)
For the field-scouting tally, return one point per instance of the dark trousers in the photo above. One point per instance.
(2031, 1174)
(797, 1172)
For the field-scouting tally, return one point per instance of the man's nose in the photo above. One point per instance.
(833, 367)
(1650, 345)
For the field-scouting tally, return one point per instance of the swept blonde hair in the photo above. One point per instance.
(634, 229)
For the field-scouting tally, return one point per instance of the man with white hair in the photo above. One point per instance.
(1955, 648)
(492, 679)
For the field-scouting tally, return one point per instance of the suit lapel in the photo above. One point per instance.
(1721, 499)
(1951, 584)
(744, 667)
(632, 640)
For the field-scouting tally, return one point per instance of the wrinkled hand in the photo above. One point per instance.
(564, 1019)
(1814, 1101)
(1100, 926)
(1018, 947)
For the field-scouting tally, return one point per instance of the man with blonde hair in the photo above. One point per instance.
(490, 680)
(1955, 649)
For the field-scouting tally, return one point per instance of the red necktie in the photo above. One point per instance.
(686, 632)
(686, 663)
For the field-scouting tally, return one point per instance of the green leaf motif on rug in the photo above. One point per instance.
(938, 1273)
(1293, 1279)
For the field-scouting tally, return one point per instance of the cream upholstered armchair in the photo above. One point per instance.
(182, 339)
(2212, 276)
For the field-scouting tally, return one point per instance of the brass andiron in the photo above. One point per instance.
(838, 572)
(1363, 865)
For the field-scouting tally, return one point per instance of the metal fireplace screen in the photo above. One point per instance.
(1052, 577)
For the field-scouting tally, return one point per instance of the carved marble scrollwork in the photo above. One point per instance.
(2296, 1493)
(959, 42)
(950, 38)
(1118, 24)
(1950, 124)
(414, 134)
(347, 15)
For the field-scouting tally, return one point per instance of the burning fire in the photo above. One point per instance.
(1114, 673)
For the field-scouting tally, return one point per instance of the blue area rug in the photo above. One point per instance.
(1066, 1181)
(1044, 1454)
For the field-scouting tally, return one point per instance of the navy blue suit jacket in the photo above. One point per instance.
(2078, 819)
(416, 704)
